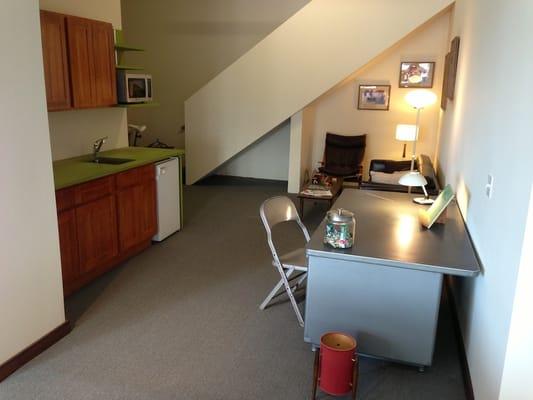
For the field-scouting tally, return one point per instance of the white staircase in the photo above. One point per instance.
(318, 47)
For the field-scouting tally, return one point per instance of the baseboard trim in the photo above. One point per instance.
(33, 350)
(467, 379)
(239, 181)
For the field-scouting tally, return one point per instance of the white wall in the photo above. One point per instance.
(31, 292)
(311, 52)
(188, 43)
(487, 130)
(516, 381)
(295, 153)
(336, 111)
(72, 133)
(266, 159)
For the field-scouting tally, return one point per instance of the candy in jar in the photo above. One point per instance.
(340, 228)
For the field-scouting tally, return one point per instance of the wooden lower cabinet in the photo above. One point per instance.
(104, 222)
(137, 220)
(97, 233)
(68, 245)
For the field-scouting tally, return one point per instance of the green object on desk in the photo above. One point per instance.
(431, 215)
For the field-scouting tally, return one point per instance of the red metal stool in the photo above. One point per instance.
(336, 365)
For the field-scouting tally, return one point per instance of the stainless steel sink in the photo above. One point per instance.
(110, 160)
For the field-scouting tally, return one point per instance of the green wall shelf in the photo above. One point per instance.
(123, 47)
(129, 67)
(139, 105)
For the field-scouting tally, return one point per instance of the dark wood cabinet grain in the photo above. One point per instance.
(147, 206)
(65, 198)
(95, 189)
(79, 62)
(80, 51)
(103, 222)
(55, 61)
(137, 220)
(97, 233)
(105, 93)
(68, 244)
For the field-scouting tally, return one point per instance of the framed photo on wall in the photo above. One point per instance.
(444, 94)
(415, 74)
(452, 68)
(373, 97)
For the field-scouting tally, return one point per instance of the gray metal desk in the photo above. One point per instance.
(386, 289)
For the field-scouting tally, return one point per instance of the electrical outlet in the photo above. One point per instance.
(489, 187)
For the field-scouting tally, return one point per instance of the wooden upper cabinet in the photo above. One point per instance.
(105, 92)
(79, 62)
(79, 59)
(80, 50)
(55, 60)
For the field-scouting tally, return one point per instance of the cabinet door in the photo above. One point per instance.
(56, 67)
(97, 233)
(68, 245)
(104, 64)
(80, 51)
(137, 219)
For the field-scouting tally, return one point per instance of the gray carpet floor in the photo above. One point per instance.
(181, 321)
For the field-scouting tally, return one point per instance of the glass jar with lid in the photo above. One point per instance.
(340, 228)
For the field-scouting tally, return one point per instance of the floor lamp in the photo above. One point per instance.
(418, 99)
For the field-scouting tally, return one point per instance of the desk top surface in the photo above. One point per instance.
(387, 232)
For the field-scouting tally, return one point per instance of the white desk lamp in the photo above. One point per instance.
(416, 179)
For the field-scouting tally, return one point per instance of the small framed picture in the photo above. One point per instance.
(452, 68)
(374, 97)
(444, 95)
(414, 74)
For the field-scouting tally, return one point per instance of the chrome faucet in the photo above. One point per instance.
(97, 146)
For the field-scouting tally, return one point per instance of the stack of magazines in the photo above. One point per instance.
(317, 190)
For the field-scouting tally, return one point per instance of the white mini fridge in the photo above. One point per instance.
(167, 175)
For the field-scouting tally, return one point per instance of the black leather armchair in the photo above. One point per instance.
(343, 156)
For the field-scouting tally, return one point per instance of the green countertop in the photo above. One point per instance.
(72, 171)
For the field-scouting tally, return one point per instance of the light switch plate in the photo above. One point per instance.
(489, 187)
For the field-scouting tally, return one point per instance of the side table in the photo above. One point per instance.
(335, 189)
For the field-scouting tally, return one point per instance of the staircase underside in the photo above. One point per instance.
(318, 47)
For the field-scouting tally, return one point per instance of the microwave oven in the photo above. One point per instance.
(133, 88)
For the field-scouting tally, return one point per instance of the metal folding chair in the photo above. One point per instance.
(274, 211)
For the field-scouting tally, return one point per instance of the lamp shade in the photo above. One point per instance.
(406, 133)
(414, 178)
(420, 98)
